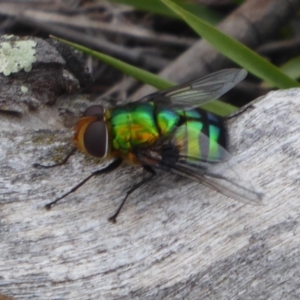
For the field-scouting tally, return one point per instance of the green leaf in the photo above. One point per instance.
(290, 68)
(217, 107)
(234, 50)
(238, 1)
(156, 7)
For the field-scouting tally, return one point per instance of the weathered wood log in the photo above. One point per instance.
(175, 239)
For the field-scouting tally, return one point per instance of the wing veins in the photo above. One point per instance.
(199, 91)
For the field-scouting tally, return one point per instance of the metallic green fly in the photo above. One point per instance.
(165, 131)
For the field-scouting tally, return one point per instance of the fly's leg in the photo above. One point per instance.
(115, 164)
(136, 186)
(64, 161)
(240, 112)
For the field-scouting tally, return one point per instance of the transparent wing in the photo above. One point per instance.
(199, 91)
(227, 182)
(224, 177)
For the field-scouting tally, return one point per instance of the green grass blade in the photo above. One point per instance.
(234, 50)
(126, 68)
(156, 7)
(217, 107)
(290, 68)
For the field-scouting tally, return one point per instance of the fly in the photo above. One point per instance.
(166, 130)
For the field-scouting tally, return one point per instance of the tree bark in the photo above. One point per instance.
(174, 239)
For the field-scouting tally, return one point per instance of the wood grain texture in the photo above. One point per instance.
(175, 239)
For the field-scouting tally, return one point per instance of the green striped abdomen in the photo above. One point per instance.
(201, 136)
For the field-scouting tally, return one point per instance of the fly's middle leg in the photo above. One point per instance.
(113, 218)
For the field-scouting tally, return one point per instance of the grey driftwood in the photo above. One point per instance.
(175, 239)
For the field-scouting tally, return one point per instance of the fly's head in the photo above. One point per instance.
(91, 134)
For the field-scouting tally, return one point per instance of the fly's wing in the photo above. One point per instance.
(227, 182)
(224, 177)
(199, 91)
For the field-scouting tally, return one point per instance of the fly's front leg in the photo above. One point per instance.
(64, 161)
(136, 186)
(115, 164)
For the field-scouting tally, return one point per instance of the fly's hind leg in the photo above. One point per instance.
(113, 218)
(240, 112)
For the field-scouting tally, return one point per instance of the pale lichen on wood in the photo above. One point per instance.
(174, 239)
(39, 72)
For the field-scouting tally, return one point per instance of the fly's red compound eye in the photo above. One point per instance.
(94, 110)
(96, 139)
